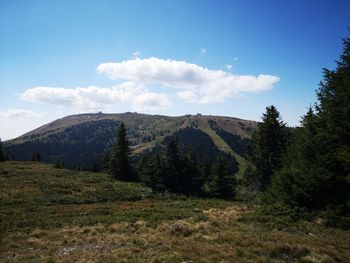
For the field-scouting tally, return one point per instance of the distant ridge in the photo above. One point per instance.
(82, 139)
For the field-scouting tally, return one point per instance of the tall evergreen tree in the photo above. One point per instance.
(182, 174)
(316, 173)
(269, 146)
(120, 165)
(36, 157)
(2, 156)
(223, 179)
(152, 173)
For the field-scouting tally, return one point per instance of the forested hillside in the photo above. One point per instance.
(81, 141)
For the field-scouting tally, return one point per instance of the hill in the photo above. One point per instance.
(82, 140)
(58, 215)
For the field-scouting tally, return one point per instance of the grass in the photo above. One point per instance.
(223, 146)
(49, 215)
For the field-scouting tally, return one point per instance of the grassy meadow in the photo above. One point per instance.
(58, 215)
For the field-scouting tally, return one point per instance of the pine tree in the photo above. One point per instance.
(302, 180)
(173, 167)
(95, 168)
(316, 173)
(152, 173)
(223, 182)
(119, 161)
(269, 146)
(36, 157)
(2, 156)
(182, 173)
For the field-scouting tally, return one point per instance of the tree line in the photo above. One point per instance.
(302, 169)
(307, 170)
(173, 171)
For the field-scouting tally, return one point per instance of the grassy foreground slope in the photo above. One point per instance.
(49, 215)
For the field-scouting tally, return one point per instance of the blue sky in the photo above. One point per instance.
(231, 58)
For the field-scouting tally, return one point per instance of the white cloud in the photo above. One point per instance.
(229, 67)
(15, 122)
(203, 50)
(96, 98)
(15, 114)
(196, 84)
(136, 54)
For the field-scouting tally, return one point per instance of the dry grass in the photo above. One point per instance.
(146, 230)
(221, 238)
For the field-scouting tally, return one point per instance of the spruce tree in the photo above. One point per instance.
(182, 174)
(152, 173)
(302, 180)
(95, 168)
(119, 161)
(223, 179)
(2, 156)
(269, 146)
(316, 173)
(38, 157)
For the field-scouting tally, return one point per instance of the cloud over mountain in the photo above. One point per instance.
(196, 84)
(97, 98)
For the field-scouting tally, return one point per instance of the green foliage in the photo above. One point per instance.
(36, 157)
(223, 181)
(316, 171)
(265, 153)
(84, 139)
(119, 159)
(58, 164)
(95, 168)
(184, 173)
(2, 156)
(152, 172)
(79, 145)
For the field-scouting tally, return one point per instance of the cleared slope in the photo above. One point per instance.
(222, 145)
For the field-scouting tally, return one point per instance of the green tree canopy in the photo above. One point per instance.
(2, 155)
(269, 146)
(316, 172)
(120, 165)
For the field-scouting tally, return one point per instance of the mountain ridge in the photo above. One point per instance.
(92, 134)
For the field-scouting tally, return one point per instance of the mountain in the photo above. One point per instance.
(82, 140)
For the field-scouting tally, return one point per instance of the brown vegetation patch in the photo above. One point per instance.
(226, 215)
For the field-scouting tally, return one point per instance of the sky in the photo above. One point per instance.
(231, 58)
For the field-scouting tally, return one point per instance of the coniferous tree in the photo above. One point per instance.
(36, 157)
(223, 179)
(173, 167)
(119, 160)
(33, 157)
(301, 180)
(95, 168)
(316, 173)
(269, 146)
(2, 156)
(182, 174)
(107, 161)
(152, 173)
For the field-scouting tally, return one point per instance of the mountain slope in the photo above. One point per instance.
(82, 140)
